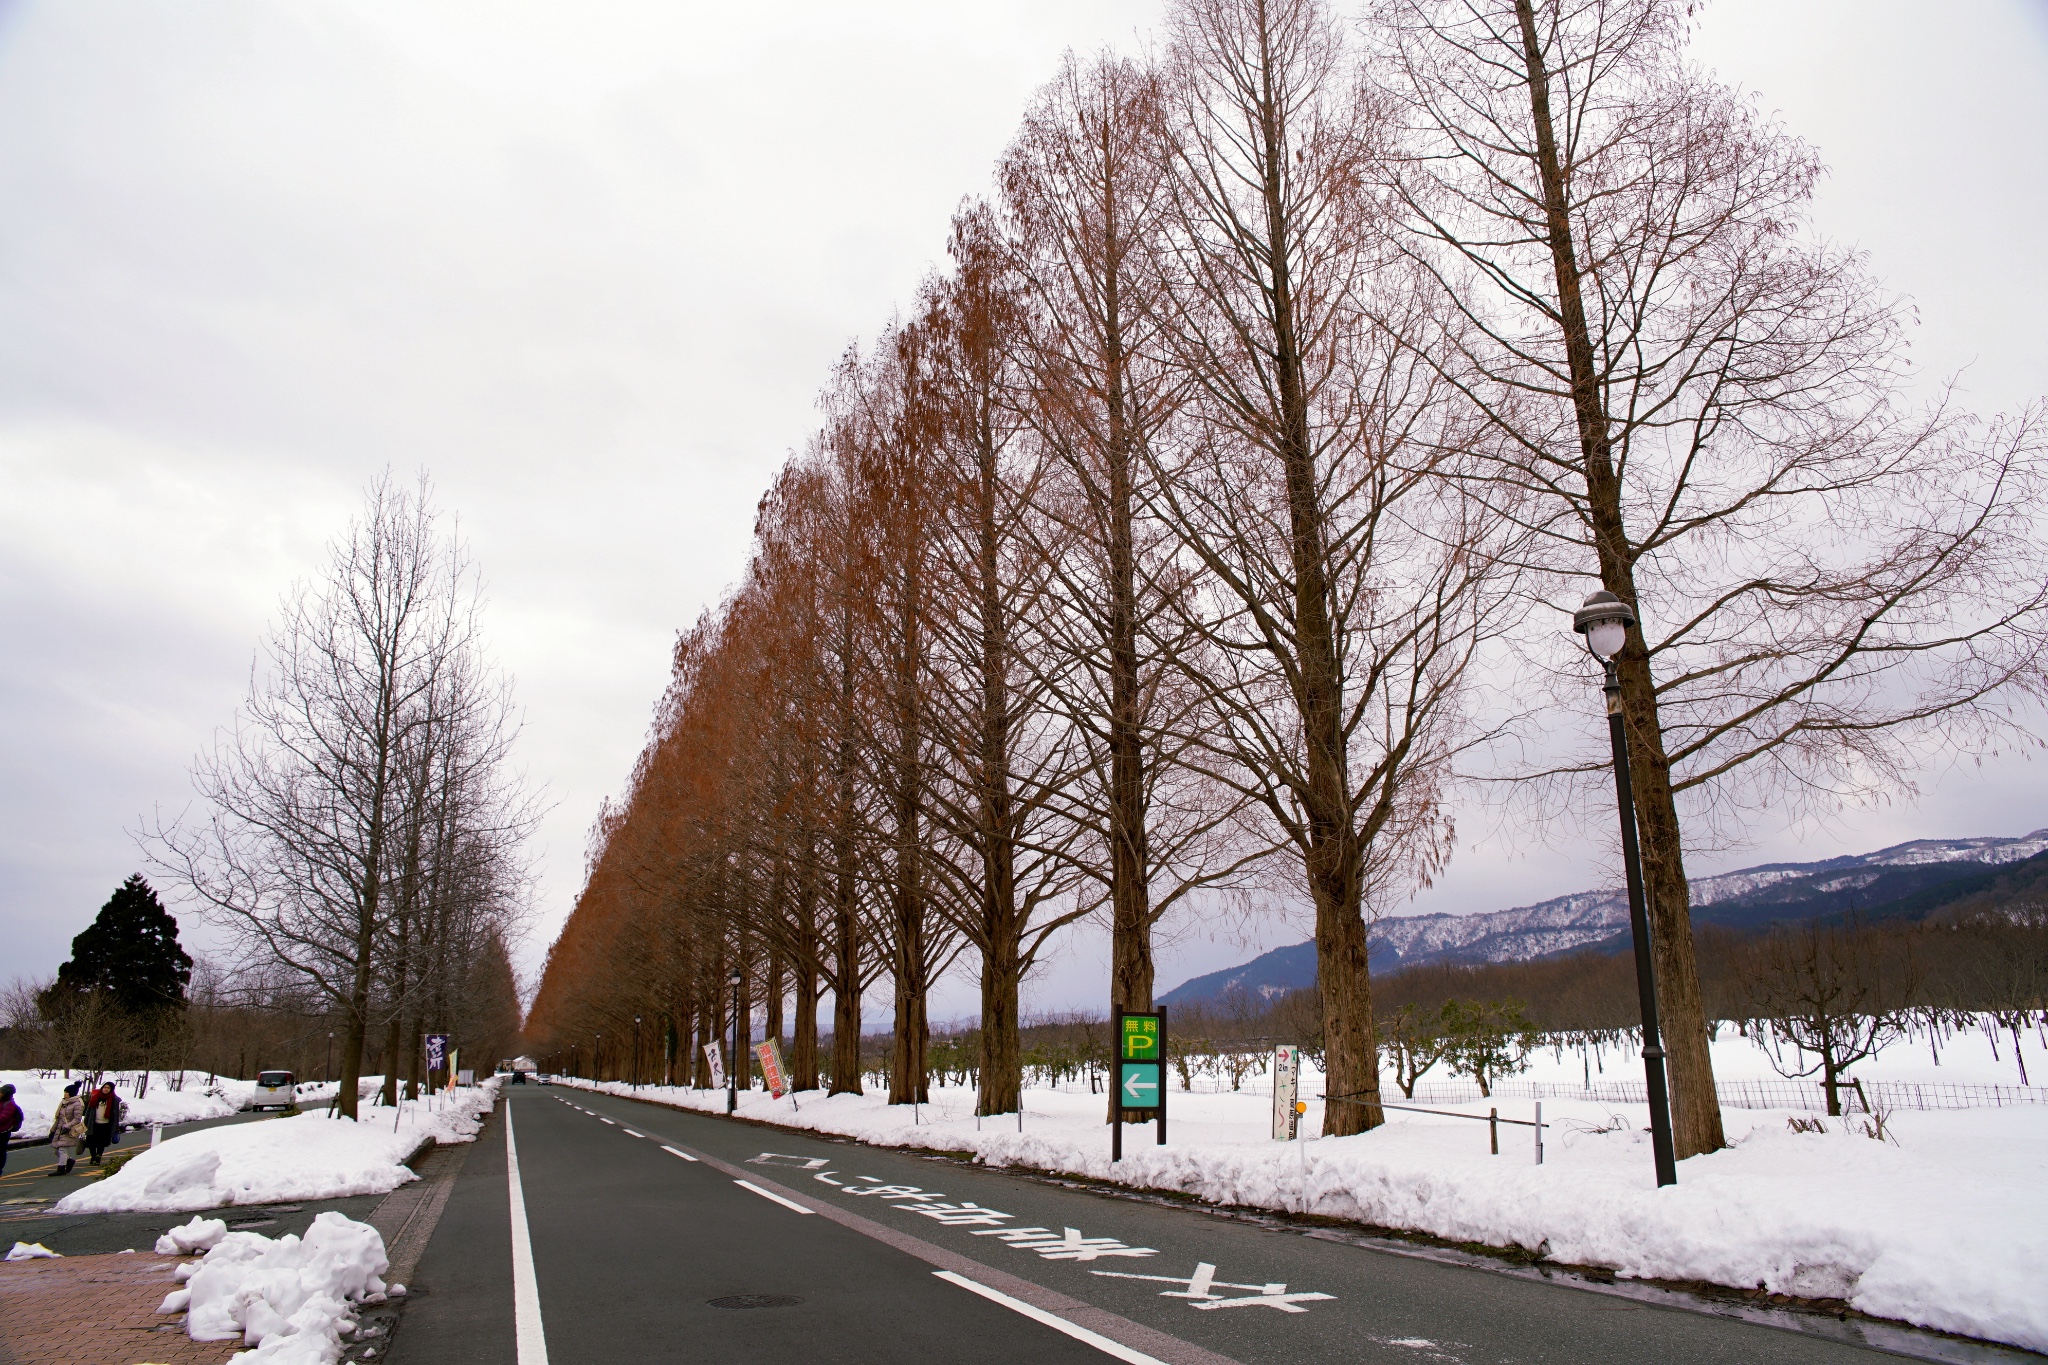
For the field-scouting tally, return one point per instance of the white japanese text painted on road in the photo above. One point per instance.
(1202, 1287)
(1063, 1244)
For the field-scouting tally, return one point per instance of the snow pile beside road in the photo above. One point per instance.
(1947, 1227)
(292, 1298)
(269, 1161)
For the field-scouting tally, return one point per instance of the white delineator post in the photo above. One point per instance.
(1539, 1132)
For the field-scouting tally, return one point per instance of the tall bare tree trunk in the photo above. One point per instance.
(1696, 1117)
(1131, 968)
(1333, 855)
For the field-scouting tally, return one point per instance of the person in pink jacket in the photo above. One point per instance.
(10, 1121)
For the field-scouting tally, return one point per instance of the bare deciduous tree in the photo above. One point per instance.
(1346, 585)
(1086, 198)
(367, 757)
(1702, 407)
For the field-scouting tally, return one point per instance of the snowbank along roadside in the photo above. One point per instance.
(306, 1156)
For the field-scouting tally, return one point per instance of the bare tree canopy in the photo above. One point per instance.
(361, 824)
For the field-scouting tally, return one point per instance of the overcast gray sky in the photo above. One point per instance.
(588, 265)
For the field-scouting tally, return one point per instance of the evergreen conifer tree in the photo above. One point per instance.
(129, 953)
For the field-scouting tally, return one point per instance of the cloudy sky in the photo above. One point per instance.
(588, 264)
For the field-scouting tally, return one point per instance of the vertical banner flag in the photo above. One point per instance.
(1286, 1090)
(455, 1062)
(437, 1051)
(717, 1066)
(770, 1056)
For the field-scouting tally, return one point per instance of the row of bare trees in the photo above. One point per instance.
(237, 1023)
(360, 827)
(1209, 516)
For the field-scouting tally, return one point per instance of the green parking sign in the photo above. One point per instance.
(1140, 1038)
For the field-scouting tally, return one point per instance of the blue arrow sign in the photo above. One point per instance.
(1141, 1085)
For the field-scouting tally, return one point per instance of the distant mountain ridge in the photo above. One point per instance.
(1906, 879)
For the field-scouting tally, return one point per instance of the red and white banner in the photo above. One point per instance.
(770, 1057)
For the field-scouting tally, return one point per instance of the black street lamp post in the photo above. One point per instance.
(327, 1072)
(597, 1060)
(739, 1030)
(1605, 620)
(636, 1052)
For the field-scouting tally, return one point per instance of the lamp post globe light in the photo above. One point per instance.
(1605, 620)
(739, 1047)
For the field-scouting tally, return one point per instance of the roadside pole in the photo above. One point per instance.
(741, 1029)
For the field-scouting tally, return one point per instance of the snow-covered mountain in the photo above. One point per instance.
(1903, 879)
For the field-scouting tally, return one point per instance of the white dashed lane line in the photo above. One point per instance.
(687, 1157)
(770, 1194)
(1079, 1333)
(630, 1133)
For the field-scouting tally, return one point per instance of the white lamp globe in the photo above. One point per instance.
(1607, 638)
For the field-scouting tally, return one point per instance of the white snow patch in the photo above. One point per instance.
(291, 1298)
(201, 1234)
(30, 1251)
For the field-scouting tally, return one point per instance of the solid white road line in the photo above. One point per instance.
(1057, 1323)
(526, 1325)
(687, 1157)
(769, 1194)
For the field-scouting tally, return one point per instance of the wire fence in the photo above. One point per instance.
(1759, 1094)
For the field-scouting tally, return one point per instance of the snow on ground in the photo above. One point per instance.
(39, 1093)
(305, 1156)
(1974, 1057)
(1944, 1225)
(292, 1298)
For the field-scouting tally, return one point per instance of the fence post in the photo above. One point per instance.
(1539, 1132)
(1493, 1128)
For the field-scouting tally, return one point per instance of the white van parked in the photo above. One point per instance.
(274, 1090)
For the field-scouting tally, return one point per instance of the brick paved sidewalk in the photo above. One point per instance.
(100, 1309)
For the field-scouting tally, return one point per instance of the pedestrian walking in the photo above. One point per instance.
(104, 1112)
(67, 1130)
(10, 1122)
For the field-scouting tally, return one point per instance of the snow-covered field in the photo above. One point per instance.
(38, 1096)
(306, 1156)
(1944, 1224)
(292, 1298)
(1975, 1056)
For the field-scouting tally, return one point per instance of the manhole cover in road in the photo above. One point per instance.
(756, 1301)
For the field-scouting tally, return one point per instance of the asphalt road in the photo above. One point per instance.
(909, 1258)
